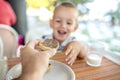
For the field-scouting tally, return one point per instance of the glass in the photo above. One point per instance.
(94, 58)
(3, 62)
(3, 68)
(95, 53)
(96, 46)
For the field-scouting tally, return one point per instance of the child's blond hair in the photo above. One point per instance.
(66, 4)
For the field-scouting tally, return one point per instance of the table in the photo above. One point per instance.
(107, 71)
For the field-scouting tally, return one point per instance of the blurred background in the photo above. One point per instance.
(99, 20)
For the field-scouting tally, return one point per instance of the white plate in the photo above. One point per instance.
(59, 71)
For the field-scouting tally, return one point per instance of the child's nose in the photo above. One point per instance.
(63, 25)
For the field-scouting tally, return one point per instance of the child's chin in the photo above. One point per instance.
(62, 38)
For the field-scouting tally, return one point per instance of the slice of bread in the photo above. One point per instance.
(48, 44)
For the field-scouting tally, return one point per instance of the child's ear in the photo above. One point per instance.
(76, 27)
(51, 23)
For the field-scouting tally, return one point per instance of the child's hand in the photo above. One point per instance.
(74, 49)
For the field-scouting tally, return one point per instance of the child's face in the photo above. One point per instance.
(64, 22)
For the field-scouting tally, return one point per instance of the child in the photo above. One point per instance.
(64, 22)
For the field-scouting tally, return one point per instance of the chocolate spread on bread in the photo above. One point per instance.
(52, 43)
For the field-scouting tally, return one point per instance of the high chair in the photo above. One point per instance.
(9, 38)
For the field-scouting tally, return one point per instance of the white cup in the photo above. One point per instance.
(3, 68)
(94, 58)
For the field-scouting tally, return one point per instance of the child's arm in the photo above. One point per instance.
(83, 51)
(73, 50)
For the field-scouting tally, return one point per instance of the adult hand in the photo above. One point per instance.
(34, 62)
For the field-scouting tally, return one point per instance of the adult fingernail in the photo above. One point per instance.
(68, 62)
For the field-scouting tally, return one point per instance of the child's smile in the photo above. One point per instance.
(61, 32)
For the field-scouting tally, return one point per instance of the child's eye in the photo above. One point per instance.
(58, 21)
(69, 23)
